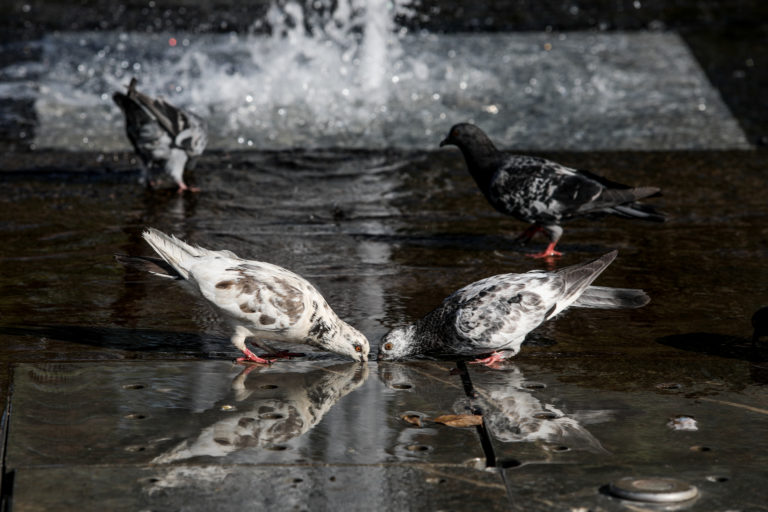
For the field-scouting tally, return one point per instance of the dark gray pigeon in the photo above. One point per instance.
(495, 314)
(165, 137)
(543, 192)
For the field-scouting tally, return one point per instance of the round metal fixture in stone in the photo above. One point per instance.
(653, 489)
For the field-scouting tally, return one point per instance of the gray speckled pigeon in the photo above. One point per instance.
(259, 299)
(543, 192)
(495, 314)
(162, 135)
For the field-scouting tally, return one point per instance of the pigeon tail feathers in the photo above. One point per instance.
(603, 297)
(638, 211)
(149, 264)
(178, 254)
(578, 277)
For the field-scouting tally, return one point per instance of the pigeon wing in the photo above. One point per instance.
(496, 313)
(269, 298)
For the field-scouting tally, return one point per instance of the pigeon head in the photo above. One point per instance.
(350, 342)
(466, 135)
(398, 343)
(478, 150)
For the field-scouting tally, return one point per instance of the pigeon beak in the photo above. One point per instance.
(445, 142)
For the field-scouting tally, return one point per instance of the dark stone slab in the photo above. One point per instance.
(318, 412)
(533, 417)
(296, 488)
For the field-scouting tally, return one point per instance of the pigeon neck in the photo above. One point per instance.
(483, 160)
(427, 332)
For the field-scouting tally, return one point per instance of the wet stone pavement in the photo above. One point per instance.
(123, 394)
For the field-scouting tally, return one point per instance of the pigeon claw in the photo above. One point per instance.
(490, 361)
(250, 357)
(549, 252)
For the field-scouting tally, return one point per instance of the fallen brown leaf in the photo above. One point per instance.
(413, 419)
(460, 420)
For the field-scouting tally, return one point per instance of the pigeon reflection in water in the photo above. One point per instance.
(513, 414)
(270, 408)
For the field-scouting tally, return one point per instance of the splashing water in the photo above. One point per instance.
(344, 74)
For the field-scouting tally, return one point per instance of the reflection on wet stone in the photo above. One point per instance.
(269, 415)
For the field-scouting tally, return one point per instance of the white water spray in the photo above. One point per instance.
(344, 74)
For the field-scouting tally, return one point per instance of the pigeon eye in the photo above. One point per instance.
(358, 348)
(388, 346)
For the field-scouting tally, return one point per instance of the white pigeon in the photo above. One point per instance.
(162, 135)
(257, 298)
(495, 314)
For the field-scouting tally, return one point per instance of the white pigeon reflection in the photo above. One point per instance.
(270, 408)
(514, 415)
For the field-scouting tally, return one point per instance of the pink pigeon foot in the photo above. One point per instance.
(251, 357)
(490, 361)
(549, 252)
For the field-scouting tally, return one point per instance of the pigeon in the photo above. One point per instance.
(257, 298)
(542, 192)
(271, 409)
(162, 135)
(494, 315)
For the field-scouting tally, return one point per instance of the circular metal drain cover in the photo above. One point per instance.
(653, 489)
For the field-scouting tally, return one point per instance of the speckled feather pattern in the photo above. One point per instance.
(261, 299)
(496, 313)
(543, 192)
(493, 314)
(536, 190)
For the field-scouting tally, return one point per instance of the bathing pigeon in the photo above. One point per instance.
(543, 192)
(494, 315)
(259, 299)
(162, 135)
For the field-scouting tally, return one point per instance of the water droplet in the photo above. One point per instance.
(636, 4)
(345, 92)
(702, 107)
(241, 140)
(436, 96)
(395, 79)
(26, 8)
(462, 85)
(491, 109)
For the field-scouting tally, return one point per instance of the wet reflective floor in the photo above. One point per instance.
(122, 388)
